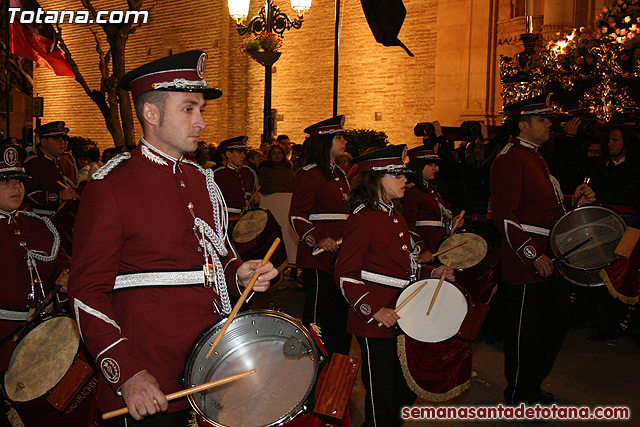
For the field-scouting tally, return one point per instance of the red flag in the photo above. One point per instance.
(37, 42)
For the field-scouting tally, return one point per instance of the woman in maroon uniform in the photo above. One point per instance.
(423, 208)
(378, 259)
(318, 212)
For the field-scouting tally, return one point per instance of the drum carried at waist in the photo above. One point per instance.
(287, 363)
(48, 361)
(583, 242)
(475, 260)
(435, 353)
(253, 234)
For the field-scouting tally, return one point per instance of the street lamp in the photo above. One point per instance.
(272, 20)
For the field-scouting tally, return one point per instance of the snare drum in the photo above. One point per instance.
(604, 226)
(253, 235)
(278, 390)
(465, 256)
(476, 262)
(435, 354)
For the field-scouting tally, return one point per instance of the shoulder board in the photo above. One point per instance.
(506, 148)
(219, 169)
(111, 165)
(309, 166)
(359, 208)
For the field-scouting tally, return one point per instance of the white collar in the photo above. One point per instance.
(157, 156)
(527, 143)
(11, 215)
(385, 207)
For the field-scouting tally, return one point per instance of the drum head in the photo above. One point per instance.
(42, 358)
(277, 390)
(464, 256)
(250, 226)
(446, 316)
(605, 228)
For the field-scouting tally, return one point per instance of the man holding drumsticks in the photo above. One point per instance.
(526, 201)
(154, 265)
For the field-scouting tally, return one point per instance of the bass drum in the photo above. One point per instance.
(282, 352)
(603, 226)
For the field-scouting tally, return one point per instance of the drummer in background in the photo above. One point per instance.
(318, 211)
(237, 181)
(422, 206)
(378, 259)
(526, 201)
(50, 167)
(28, 238)
(149, 226)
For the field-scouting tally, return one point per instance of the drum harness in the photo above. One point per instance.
(213, 242)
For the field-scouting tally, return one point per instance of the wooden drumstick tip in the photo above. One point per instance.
(435, 294)
(242, 299)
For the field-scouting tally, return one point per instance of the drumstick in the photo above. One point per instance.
(455, 224)
(243, 297)
(445, 250)
(185, 392)
(69, 188)
(435, 294)
(406, 301)
(255, 193)
(320, 250)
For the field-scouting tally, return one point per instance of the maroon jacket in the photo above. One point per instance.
(525, 204)
(16, 281)
(318, 210)
(42, 189)
(136, 219)
(376, 244)
(422, 210)
(237, 185)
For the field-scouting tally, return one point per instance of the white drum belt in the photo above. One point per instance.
(13, 315)
(328, 217)
(382, 279)
(159, 278)
(427, 223)
(535, 230)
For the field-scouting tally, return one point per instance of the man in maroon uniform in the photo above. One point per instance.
(236, 181)
(317, 214)
(48, 170)
(526, 201)
(154, 265)
(31, 264)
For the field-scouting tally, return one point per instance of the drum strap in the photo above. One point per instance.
(535, 230)
(383, 279)
(13, 315)
(159, 278)
(329, 217)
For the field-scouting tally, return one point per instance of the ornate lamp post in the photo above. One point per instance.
(269, 19)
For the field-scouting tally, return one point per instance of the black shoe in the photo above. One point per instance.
(543, 397)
